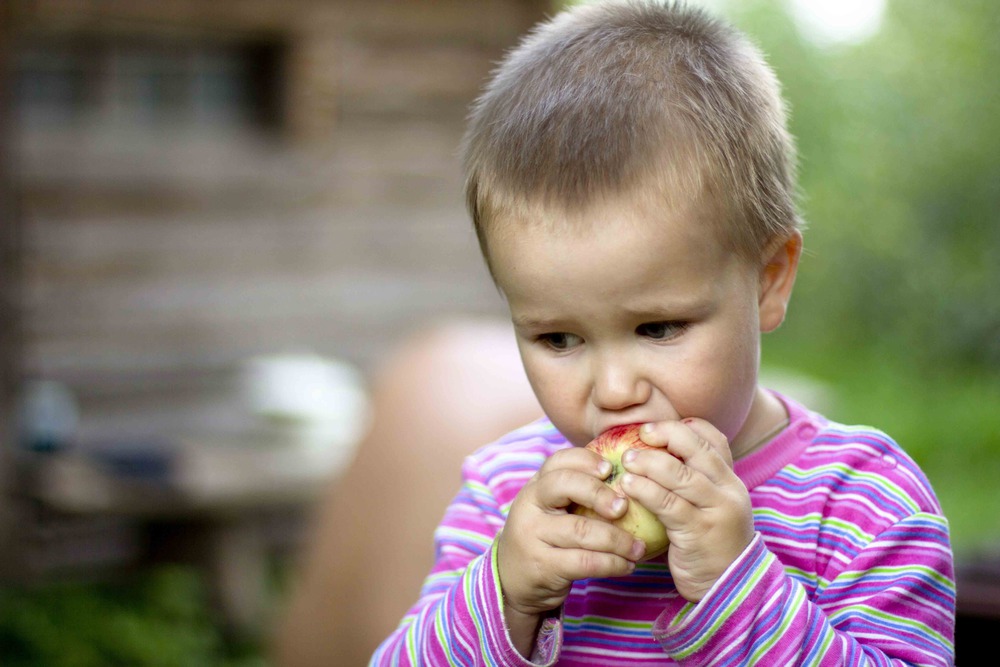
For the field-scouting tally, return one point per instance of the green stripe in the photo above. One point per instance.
(495, 571)
(815, 519)
(723, 614)
(465, 535)
(411, 643)
(443, 639)
(824, 647)
(801, 575)
(878, 482)
(610, 622)
(866, 611)
(797, 601)
(902, 569)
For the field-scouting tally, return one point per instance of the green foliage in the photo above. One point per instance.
(899, 139)
(897, 306)
(158, 621)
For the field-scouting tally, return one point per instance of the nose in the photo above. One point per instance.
(618, 383)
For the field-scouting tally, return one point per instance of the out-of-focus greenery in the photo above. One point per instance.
(897, 305)
(158, 620)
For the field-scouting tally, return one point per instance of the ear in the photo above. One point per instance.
(777, 279)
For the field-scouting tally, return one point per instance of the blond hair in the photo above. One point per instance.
(608, 97)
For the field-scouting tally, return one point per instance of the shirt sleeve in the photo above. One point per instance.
(893, 604)
(458, 619)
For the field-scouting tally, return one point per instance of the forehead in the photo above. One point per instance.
(683, 189)
(616, 248)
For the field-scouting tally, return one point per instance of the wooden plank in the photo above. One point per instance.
(391, 76)
(155, 16)
(115, 287)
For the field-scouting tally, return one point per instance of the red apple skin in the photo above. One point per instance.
(637, 520)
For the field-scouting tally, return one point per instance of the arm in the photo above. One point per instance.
(493, 596)
(888, 601)
(892, 605)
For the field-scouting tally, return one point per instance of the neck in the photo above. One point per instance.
(766, 419)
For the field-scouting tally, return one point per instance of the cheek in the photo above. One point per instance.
(720, 383)
(544, 377)
(559, 394)
(741, 380)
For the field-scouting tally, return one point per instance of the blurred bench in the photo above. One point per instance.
(223, 505)
(978, 620)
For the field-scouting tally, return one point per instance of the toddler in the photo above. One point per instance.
(631, 181)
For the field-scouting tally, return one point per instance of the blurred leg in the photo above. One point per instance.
(442, 395)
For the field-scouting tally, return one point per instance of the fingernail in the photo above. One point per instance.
(629, 456)
(604, 468)
(618, 505)
(646, 429)
(628, 479)
(638, 549)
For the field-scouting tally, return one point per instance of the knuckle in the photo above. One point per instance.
(685, 475)
(559, 478)
(702, 443)
(590, 563)
(583, 528)
(556, 461)
(666, 503)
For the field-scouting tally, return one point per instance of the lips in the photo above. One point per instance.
(604, 428)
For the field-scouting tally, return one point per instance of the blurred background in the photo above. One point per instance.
(216, 219)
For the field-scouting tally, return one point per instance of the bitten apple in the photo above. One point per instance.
(637, 520)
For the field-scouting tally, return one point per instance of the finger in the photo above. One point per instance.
(673, 509)
(668, 473)
(592, 534)
(712, 436)
(563, 487)
(708, 455)
(579, 459)
(584, 564)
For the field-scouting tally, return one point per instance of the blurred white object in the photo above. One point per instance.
(832, 22)
(304, 415)
(48, 417)
(810, 391)
(306, 399)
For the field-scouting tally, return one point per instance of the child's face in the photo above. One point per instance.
(629, 314)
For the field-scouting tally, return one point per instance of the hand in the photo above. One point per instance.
(702, 503)
(543, 548)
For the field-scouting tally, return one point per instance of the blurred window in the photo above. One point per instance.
(80, 83)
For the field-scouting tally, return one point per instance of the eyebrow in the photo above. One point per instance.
(671, 311)
(538, 323)
(679, 309)
(676, 306)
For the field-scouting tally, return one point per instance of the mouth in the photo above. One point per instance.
(603, 428)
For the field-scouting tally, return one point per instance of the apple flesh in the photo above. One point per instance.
(637, 520)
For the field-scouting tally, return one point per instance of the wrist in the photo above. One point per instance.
(522, 628)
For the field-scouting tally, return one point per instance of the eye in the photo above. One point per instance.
(660, 330)
(560, 341)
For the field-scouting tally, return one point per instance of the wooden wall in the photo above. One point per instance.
(155, 262)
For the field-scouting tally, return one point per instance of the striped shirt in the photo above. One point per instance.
(850, 565)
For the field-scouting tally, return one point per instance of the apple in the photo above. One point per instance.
(637, 520)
